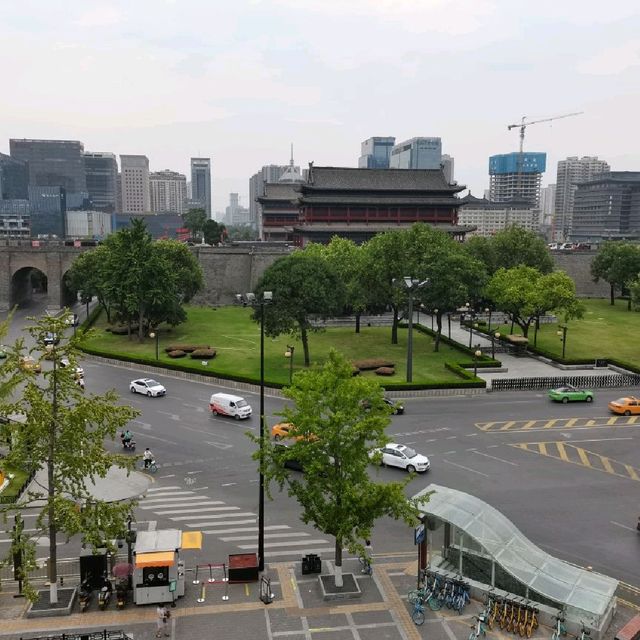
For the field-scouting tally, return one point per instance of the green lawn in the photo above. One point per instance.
(603, 332)
(236, 339)
(15, 485)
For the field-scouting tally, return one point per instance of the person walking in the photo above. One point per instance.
(163, 616)
(366, 558)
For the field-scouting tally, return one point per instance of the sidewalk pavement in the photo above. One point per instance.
(515, 367)
(297, 612)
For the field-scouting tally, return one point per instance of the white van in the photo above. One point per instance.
(225, 404)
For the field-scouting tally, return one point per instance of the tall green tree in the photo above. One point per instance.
(525, 294)
(87, 277)
(617, 263)
(62, 433)
(304, 287)
(512, 247)
(194, 220)
(333, 437)
(213, 232)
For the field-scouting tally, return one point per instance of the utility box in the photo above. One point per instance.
(311, 563)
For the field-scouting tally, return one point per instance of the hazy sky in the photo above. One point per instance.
(238, 80)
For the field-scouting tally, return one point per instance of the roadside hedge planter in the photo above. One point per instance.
(370, 364)
(177, 353)
(385, 371)
(187, 348)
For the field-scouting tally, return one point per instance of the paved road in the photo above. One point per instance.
(564, 474)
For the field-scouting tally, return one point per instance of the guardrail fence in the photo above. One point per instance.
(551, 382)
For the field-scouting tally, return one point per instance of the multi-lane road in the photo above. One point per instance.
(566, 475)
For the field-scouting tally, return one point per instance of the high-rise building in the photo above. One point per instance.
(168, 191)
(490, 217)
(607, 206)
(48, 211)
(570, 172)
(515, 176)
(15, 217)
(375, 152)
(547, 203)
(235, 214)
(201, 182)
(14, 178)
(448, 167)
(52, 163)
(134, 179)
(417, 153)
(101, 170)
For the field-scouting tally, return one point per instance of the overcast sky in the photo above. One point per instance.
(239, 80)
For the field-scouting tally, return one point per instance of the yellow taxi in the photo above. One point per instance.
(27, 363)
(283, 430)
(625, 406)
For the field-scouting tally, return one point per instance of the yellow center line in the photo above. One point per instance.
(584, 459)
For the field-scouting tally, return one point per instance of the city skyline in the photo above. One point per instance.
(203, 79)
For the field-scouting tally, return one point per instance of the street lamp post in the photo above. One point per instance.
(449, 323)
(477, 353)
(289, 354)
(411, 284)
(487, 310)
(250, 298)
(494, 337)
(156, 335)
(562, 333)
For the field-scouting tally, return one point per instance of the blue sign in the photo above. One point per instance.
(419, 534)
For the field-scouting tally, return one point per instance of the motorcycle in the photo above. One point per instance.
(122, 591)
(129, 445)
(104, 595)
(84, 594)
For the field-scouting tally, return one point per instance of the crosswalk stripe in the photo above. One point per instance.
(233, 514)
(169, 494)
(296, 552)
(250, 529)
(291, 543)
(153, 489)
(206, 513)
(193, 504)
(220, 524)
(147, 500)
(266, 536)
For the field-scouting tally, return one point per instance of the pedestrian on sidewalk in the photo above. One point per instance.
(161, 623)
(366, 558)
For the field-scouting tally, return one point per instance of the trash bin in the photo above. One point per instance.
(311, 563)
(601, 363)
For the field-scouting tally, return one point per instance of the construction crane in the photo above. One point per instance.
(523, 125)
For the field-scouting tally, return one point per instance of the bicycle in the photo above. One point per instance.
(560, 629)
(478, 629)
(417, 615)
(533, 622)
(584, 633)
(152, 467)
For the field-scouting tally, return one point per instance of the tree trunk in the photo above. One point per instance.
(629, 302)
(525, 328)
(338, 565)
(304, 338)
(394, 325)
(357, 323)
(612, 293)
(436, 344)
(535, 335)
(140, 323)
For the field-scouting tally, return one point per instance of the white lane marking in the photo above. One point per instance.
(229, 484)
(168, 494)
(623, 526)
(173, 416)
(451, 437)
(163, 488)
(171, 475)
(486, 455)
(219, 445)
(143, 425)
(471, 435)
(466, 468)
(184, 499)
(266, 535)
(274, 554)
(192, 473)
(290, 543)
(148, 435)
(197, 407)
(602, 440)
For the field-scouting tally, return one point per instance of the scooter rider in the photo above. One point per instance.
(126, 437)
(147, 456)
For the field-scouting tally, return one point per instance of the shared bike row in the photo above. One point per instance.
(438, 591)
(511, 614)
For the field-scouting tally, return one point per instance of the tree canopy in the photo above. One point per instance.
(195, 220)
(525, 294)
(138, 281)
(61, 431)
(304, 287)
(618, 264)
(338, 421)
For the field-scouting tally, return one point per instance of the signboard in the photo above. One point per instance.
(173, 585)
(419, 534)
(35, 243)
(77, 243)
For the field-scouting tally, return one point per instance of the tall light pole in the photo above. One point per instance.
(494, 337)
(267, 297)
(156, 335)
(53, 549)
(476, 354)
(412, 284)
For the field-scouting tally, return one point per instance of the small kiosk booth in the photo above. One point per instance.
(158, 574)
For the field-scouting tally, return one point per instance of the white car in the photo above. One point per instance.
(77, 370)
(147, 387)
(399, 455)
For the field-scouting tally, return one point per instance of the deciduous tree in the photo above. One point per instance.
(194, 220)
(304, 287)
(62, 432)
(333, 436)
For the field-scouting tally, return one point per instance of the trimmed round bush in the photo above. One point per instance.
(385, 371)
(203, 354)
(372, 363)
(176, 353)
(187, 348)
